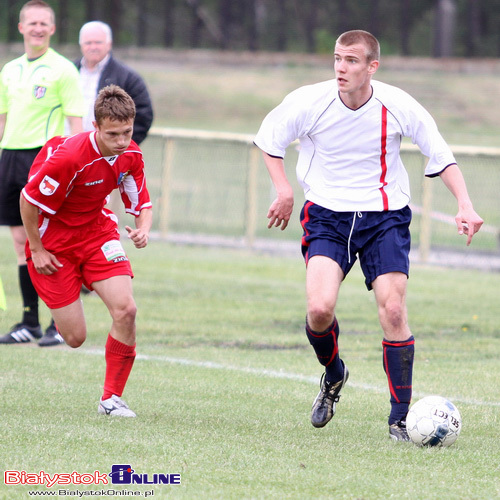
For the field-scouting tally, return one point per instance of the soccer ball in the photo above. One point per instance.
(433, 421)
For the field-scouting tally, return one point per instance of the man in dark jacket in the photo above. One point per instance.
(98, 68)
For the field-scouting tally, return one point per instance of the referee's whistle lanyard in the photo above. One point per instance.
(355, 216)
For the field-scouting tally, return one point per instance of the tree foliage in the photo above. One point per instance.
(407, 27)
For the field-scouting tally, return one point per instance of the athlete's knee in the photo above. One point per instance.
(393, 313)
(74, 337)
(319, 316)
(125, 312)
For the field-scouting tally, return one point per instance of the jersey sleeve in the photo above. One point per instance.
(282, 126)
(49, 178)
(70, 92)
(294, 117)
(133, 189)
(420, 127)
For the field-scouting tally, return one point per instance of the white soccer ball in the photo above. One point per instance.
(433, 421)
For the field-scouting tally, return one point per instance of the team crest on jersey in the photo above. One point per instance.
(39, 91)
(48, 186)
(122, 176)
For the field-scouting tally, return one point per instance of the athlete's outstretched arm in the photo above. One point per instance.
(467, 220)
(281, 208)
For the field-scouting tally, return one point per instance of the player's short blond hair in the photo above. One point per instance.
(114, 103)
(40, 4)
(363, 37)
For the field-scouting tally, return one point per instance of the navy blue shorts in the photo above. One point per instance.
(381, 240)
(15, 165)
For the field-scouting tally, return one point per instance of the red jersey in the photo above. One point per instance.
(70, 179)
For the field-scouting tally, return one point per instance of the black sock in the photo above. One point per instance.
(325, 345)
(30, 297)
(398, 365)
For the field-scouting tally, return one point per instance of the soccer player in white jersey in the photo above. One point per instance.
(357, 194)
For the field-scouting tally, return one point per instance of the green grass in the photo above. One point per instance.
(224, 381)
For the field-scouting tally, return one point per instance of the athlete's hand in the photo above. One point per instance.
(45, 262)
(139, 237)
(280, 211)
(468, 222)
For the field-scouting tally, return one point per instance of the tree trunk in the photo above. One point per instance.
(473, 27)
(113, 9)
(90, 11)
(169, 21)
(374, 18)
(142, 23)
(444, 28)
(281, 31)
(405, 26)
(62, 24)
(12, 21)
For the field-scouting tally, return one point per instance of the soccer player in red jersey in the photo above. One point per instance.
(73, 239)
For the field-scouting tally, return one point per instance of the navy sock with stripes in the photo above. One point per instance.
(325, 345)
(398, 366)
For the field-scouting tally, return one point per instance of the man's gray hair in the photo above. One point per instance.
(96, 24)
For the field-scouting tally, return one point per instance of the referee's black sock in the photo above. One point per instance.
(30, 297)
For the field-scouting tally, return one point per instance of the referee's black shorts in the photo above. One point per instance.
(15, 165)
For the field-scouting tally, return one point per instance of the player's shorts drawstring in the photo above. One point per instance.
(356, 214)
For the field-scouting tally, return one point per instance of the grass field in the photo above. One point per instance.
(224, 380)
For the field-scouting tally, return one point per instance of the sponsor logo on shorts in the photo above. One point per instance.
(113, 251)
(48, 186)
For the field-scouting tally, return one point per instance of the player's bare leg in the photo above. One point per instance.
(70, 321)
(116, 293)
(322, 284)
(398, 344)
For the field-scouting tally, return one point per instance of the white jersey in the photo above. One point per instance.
(349, 159)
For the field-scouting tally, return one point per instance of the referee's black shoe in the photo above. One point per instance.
(324, 405)
(21, 334)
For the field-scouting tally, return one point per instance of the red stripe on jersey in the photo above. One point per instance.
(383, 153)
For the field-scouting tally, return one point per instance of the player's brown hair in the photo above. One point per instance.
(114, 103)
(363, 37)
(37, 3)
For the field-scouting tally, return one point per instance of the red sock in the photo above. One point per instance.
(119, 360)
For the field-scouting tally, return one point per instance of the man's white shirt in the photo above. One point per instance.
(89, 79)
(349, 160)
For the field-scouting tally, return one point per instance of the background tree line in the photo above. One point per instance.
(461, 28)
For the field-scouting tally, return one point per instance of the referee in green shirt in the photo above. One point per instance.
(38, 92)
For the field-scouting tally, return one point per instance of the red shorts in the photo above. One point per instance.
(88, 254)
